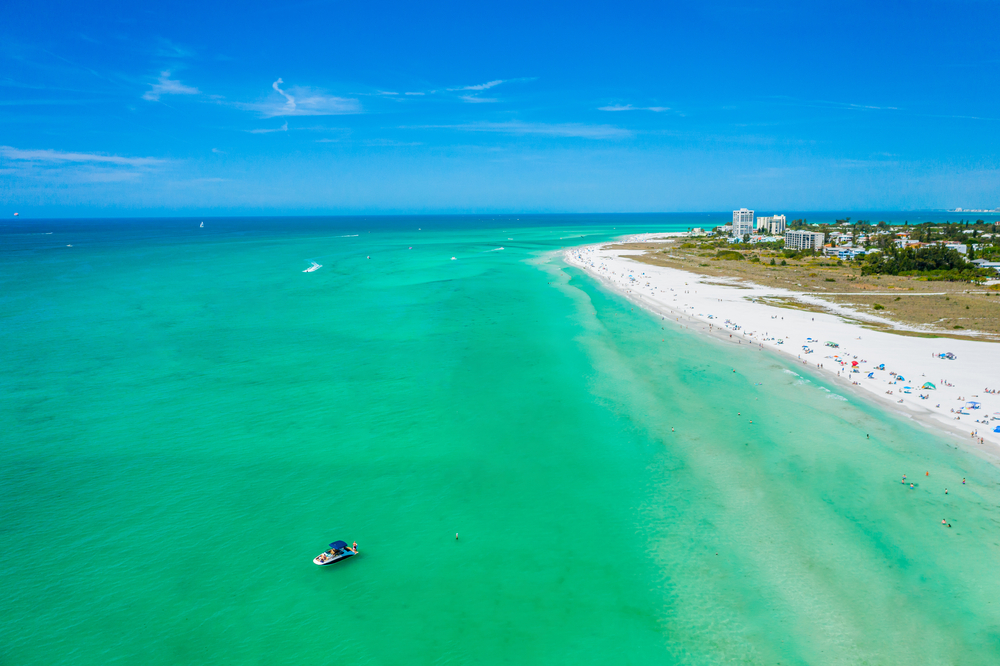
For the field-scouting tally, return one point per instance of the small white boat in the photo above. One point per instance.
(314, 267)
(201, 225)
(339, 550)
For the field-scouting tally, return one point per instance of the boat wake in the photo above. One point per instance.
(314, 267)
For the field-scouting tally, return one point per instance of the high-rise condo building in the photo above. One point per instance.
(774, 225)
(742, 222)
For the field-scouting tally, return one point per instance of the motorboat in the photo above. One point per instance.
(339, 550)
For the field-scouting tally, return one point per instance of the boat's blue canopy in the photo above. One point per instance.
(337, 545)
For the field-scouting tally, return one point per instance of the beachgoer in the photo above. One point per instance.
(355, 548)
(911, 485)
(945, 491)
(963, 480)
(944, 522)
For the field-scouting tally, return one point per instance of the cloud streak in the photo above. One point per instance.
(481, 86)
(302, 101)
(167, 86)
(629, 107)
(59, 157)
(558, 130)
(283, 128)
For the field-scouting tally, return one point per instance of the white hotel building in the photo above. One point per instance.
(742, 222)
(804, 240)
(773, 225)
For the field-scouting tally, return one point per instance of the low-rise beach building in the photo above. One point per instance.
(843, 251)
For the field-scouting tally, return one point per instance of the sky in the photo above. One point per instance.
(210, 108)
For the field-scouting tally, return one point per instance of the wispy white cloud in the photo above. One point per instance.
(167, 86)
(629, 107)
(567, 130)
(877, 108)
(481, 86)
(822, 103)
(60, 157)
(302, 101)
(168, 49)
(478, 100)
(283, 128)
(414, 93)
(63, 167)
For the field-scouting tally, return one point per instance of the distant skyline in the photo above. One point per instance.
(206, 108)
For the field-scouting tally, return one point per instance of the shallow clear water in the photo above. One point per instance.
(187, 419)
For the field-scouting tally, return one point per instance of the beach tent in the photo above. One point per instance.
(854, 364)
(972, 404)
(928, 385)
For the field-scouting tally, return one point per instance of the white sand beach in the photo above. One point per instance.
(882, 366)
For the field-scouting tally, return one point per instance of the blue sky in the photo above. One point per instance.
(203, 108)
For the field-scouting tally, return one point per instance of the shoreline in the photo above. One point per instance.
(733, 312)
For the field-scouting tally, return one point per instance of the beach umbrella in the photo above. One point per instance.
(928, 385)
(854, 363)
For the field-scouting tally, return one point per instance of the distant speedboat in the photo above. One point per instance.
(314, 267)
(339, 550)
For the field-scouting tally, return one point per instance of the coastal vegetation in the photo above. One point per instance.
(937, 297)
(935, 262)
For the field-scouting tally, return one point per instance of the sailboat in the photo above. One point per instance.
(201, 225)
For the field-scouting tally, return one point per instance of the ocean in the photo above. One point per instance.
(188, 418)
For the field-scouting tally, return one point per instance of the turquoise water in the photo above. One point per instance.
(187, 419)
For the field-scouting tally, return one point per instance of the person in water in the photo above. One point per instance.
(355, 547)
